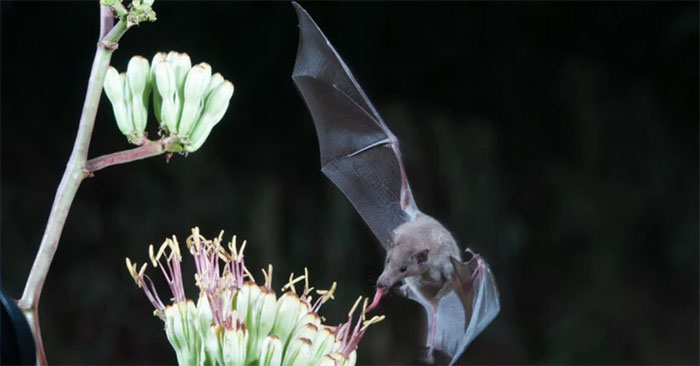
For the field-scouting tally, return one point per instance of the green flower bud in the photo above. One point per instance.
(137, 77)
(194, 91)
(214, 109)
(204, 315)
(214, 82)
(290, 309)
(234, 345)
(267, 309)
(157, 99)
(167, 88)
(262, 319)
(179, 320)
(301, 328)
(308, 331)
(297, 353)
(114, 88)
(181, 65)
(322, 344)
(211, 347)
(271, 351)
(245, 299)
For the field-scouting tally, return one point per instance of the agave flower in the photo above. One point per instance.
(238, 322)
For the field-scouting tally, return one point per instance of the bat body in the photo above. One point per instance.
(361, 156)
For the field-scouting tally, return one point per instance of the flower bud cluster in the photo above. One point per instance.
(239, 322)
(188, 100)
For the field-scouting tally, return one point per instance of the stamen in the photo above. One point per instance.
(175, 248)
(240, 251)
(161, 250)
(364, 308)
(291, 282)
(153, 257)
(268, 276)
(232, 247)
(352, 310)
(143, 269)
(247, 273)
(375, 319)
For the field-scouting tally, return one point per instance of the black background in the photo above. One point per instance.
(560, 140)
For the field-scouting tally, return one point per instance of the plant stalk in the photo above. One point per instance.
(67, 188)
(146, 150)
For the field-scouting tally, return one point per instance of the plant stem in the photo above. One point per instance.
(70, 182)
(147, 150)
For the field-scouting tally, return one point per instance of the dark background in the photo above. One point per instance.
(560, 140)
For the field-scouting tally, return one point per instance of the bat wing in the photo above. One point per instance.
(464, 312)
(358, 151)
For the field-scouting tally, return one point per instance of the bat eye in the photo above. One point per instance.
(403, 269)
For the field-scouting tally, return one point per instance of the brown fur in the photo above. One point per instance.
(424, 247)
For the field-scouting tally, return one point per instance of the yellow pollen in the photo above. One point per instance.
(132, 270)
(352, 310)
(291, 282)
(247, 273)
(162, 248)
(153, 257)
(143, 270)
(364, 307)
(240, 251)
(268, 276)
(328, 293)
(375, 319)
(232, 247)
(175, 248)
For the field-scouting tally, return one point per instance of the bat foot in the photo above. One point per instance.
(427, 356)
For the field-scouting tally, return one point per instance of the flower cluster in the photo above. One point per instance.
(188, 100)
(238, 322)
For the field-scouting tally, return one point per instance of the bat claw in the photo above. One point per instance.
(427, 356)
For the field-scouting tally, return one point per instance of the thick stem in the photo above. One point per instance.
(70, 182)
(147, 150)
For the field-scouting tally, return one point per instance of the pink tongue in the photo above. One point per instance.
(377, 296)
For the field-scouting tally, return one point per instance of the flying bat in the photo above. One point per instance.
(361, 156)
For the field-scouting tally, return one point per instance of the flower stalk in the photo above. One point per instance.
(109, 36)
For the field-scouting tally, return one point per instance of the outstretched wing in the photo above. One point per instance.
(358, 151)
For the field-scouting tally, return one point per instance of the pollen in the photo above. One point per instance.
(352, 310)
(291, 282)
(375, 319)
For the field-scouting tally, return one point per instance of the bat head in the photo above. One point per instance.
(403, 261)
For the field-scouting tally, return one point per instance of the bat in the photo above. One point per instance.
(361, 156)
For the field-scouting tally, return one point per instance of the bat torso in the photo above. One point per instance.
(424, 232)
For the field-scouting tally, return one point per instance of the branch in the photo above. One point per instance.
(147, 150)
(70, 182)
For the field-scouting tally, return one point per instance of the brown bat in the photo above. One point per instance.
(361, 156)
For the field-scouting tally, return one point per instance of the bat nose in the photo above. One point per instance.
(381, 285)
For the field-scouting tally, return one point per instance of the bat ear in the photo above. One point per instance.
(422, 256)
